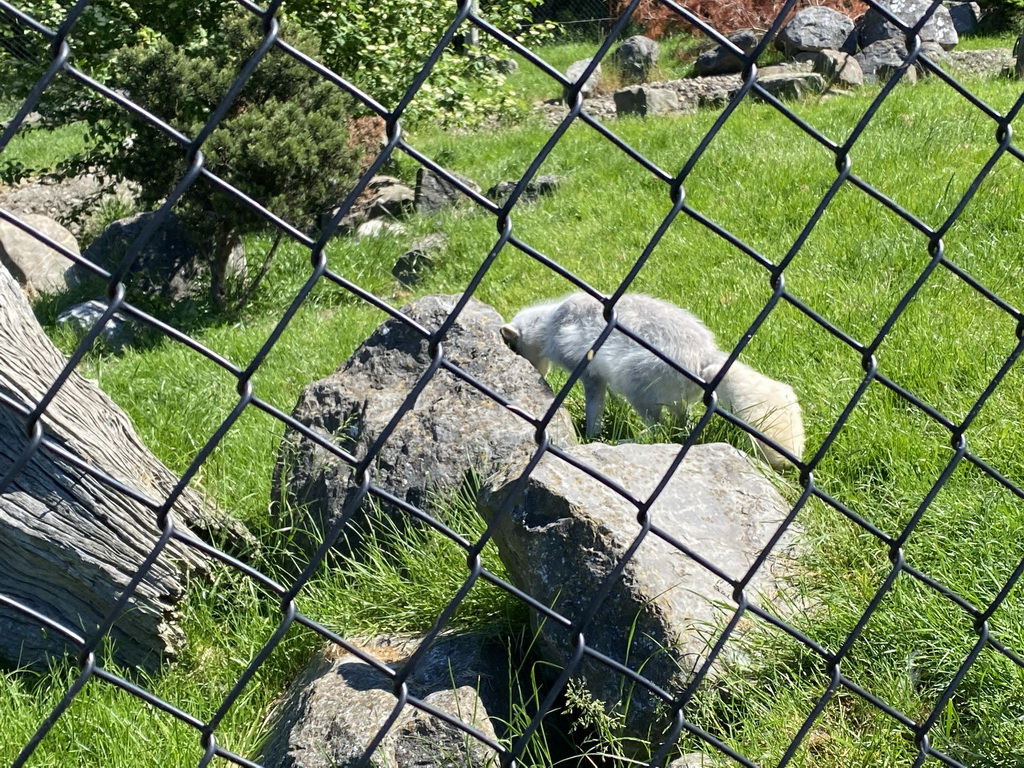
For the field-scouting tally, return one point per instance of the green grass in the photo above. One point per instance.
(761, 178)
(41, 149)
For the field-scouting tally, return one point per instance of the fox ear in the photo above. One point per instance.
(509, 334)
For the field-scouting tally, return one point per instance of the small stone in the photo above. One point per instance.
(839, 69)
(418, 260)
(792, 85)
(535, 189)
(117, 335)
(434, 191)
(575, 71)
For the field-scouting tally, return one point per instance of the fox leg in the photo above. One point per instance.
(594, 392)
(651, 414)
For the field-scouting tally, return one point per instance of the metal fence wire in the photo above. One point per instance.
(918, 727)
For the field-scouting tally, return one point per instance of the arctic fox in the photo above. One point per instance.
(563, 332)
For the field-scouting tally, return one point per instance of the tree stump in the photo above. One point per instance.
(70, 543)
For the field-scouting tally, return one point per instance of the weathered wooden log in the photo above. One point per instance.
(69, 542)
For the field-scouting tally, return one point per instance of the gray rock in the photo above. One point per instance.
(993, 62)
(452, 429)
(434, 192)
(635, 57)
(37, 267)
(814, 29)
(418, 260)
(506, 66)
(535, 189)
(879, 60)
(721, 60)
(965, 17)
(563, 532)
(77, 203)
(792, 85)
(117, 334)
(644, 100)
(695, 760)
(169, 265)
(337, 706)
(383, 197)
(839, 69)
(575, 72)
(939, 27)
(885, 72)
(378, 227)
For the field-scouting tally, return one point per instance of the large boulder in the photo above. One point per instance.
(561, 533)
(722, 60)
(938, 29)
(36, 266)
(72, 540)
(635, 57)
(340, 703)
(78, 203)
(879, 60)
(814, 29)
(643, 100)
(169, 266)
(451, 428)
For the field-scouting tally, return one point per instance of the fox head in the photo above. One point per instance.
(523, 346)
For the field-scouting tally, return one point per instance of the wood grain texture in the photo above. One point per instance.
(70, 542)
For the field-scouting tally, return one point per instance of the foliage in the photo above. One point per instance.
(284, 141)
(656, 20)
(104, 27)
(1001, 16)
(382, 46)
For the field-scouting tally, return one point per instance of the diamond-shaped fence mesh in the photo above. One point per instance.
(906, 506)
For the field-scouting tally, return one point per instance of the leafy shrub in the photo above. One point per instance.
(382, 46)
(284, 142)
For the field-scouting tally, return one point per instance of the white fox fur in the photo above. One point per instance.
(563, 332)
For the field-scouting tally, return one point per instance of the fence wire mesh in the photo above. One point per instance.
(924, 731)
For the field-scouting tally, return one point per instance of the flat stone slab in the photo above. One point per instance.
(562, 532)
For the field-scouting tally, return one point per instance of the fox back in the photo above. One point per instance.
(563, 332)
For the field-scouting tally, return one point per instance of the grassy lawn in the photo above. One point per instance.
(761, 179)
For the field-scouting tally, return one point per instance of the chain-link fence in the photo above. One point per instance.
(588, 14)
(698, 719)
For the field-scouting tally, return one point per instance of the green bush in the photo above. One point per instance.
(284, 141)
(382, 46)
(1001, 16)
